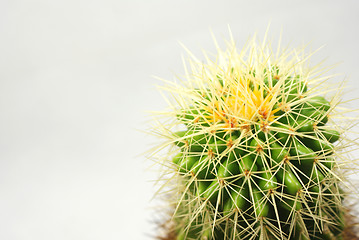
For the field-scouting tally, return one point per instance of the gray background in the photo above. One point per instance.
(76, 80)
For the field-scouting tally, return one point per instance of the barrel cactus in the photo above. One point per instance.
(254, 148)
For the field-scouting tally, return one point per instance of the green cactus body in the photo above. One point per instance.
(258, 150)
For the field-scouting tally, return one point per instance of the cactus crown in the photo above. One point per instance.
(254, 149)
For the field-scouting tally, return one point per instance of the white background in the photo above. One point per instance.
(76, 80)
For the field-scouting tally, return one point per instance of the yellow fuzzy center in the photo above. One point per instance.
(242, 102)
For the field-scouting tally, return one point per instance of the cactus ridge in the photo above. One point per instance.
(255, 148)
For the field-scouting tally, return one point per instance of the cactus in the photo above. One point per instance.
(253, 148)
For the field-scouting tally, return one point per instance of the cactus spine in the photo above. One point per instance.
(254, 149)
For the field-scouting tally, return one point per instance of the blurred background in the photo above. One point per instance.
(76, 80)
